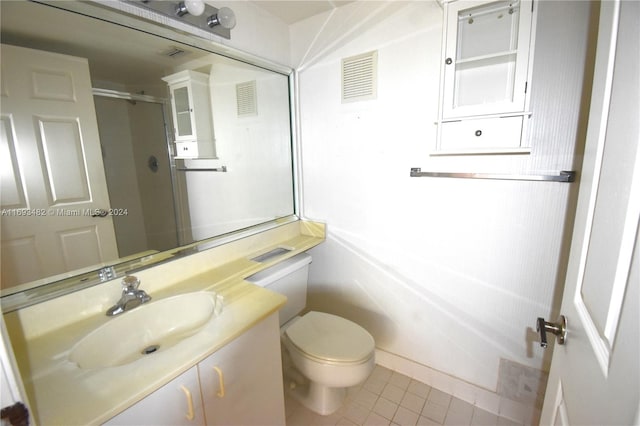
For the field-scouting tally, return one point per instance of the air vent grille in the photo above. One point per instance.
(246, 98)
(359, 77)
(174, 52)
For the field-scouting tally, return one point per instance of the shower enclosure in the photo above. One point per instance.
(138, 168)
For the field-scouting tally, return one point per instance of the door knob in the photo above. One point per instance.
(558, 328)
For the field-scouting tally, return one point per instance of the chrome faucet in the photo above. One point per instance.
(131, 297)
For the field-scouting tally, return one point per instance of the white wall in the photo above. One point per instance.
(448, 273)
(255, 149)
(256, 187)
(257, 32)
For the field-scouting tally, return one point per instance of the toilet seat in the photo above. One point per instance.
(331, 338)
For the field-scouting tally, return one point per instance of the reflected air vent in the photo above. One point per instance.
(247, 99)
(359, 77)
(174, 52)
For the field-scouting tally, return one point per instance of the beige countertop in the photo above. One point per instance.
(42, 336)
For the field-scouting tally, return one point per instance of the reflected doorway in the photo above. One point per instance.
(138, 170)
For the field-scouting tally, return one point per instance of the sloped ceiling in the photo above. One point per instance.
(31, 24)
(290, 11)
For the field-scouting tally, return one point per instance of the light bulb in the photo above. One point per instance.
(225, 18)
(194, 7)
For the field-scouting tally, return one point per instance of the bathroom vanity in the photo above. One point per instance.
(225, 369)
(240, 383)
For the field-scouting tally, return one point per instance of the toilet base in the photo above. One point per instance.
(320, 399)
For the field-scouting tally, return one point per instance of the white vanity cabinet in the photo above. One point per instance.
(176, 403)
(239, 384)
(242, 382)
(484, 74)
(191, 112)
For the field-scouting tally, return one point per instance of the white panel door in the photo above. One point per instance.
(52, 173)
(595, 375)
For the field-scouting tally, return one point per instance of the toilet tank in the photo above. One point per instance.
(289, 278)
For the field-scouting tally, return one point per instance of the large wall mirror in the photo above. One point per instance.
(120, 146)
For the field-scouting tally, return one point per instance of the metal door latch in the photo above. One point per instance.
(559, 329)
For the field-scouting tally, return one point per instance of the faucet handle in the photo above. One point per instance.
(130, 283)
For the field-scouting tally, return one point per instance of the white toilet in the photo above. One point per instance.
(331, 352)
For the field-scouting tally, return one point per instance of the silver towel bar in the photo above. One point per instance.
(222, 169)
(562, 176)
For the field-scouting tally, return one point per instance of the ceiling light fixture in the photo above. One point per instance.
(196, 13)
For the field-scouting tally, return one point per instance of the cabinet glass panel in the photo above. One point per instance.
(183, 111)
(487, 30)
(484, 82)
(486, 53)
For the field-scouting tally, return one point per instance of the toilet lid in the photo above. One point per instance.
(331, 338)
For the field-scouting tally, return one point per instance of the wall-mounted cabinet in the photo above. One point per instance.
(484, 75)
(191, 113)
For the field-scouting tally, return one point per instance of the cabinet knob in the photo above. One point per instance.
(448, 61)
(478, 132)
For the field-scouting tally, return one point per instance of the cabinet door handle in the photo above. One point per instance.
(190, 414)
(220, 393)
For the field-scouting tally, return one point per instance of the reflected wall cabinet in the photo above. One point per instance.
(191, 113)
(484, 76)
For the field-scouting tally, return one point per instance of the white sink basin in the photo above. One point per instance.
(145, 330)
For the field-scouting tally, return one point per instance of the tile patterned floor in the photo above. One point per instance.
(390, 398)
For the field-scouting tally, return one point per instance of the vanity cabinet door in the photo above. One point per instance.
(242, 382)
(176, 403)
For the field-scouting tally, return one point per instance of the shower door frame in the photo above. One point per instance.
(183, 223)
